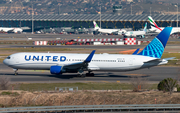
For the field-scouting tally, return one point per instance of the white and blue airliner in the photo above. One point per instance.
(59, 63)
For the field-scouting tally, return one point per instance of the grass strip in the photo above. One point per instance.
(81, 86)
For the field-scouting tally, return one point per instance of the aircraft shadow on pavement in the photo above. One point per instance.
(129, 76)
(41, 75)
(69, 76)
(120, 75)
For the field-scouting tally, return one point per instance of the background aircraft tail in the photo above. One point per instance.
(95, 25)
(153, 22)
(156, 47)
(152, 27)
(145, 28)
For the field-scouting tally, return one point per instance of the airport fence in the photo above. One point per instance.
(95, 108)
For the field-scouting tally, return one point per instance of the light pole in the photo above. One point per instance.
(32, 21)
(168, 10)
(100, 16)
(131, 9)
(177, 14)
(59, 9)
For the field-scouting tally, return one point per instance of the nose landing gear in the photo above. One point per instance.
(15, 71)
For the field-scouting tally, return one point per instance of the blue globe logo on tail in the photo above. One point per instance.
(156, 47)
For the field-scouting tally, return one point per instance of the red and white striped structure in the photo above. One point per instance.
(130, 41)
(98, 40)
(40, 42)
(145, 41)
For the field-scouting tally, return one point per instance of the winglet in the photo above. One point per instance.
(89, 58)
(135, 52)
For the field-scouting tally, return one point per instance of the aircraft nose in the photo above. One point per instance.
(5, 62)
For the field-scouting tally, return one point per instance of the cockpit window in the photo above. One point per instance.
(8, 57)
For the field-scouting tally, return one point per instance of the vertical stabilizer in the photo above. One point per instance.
(95, 25)
(135, 52)
(152, 27)
(156, 47)
(153, 22)
(145, 28)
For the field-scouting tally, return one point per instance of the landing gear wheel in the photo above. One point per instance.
(89, 74)
(81, 75)
(15, 73)
(92, 74)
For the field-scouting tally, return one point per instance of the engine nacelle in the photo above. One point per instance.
(56, 69)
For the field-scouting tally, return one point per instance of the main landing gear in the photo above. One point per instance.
(81, 74)
(15, 71)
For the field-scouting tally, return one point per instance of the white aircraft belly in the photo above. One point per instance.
(33, 66)
(114, 66)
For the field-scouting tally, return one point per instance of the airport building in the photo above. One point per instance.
(84, 21)
(117, 9)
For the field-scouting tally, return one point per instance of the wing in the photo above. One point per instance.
(79, 65)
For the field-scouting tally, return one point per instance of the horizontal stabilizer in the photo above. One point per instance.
(154, 60)
(159, 60)
(169, 58)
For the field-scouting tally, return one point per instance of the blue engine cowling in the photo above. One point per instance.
(56, 69)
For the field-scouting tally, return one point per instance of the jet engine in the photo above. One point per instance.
(56, 69)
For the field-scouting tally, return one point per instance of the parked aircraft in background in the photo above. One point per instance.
(108, 31)
(155, 28)
(59, 63)
(16, 30)
(136, 33)
(8, 29)
(5, 29)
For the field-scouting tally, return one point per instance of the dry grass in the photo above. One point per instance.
(24, 98)
(4, 82)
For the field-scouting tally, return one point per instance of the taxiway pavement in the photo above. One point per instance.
(153, 75)
(66, 36)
